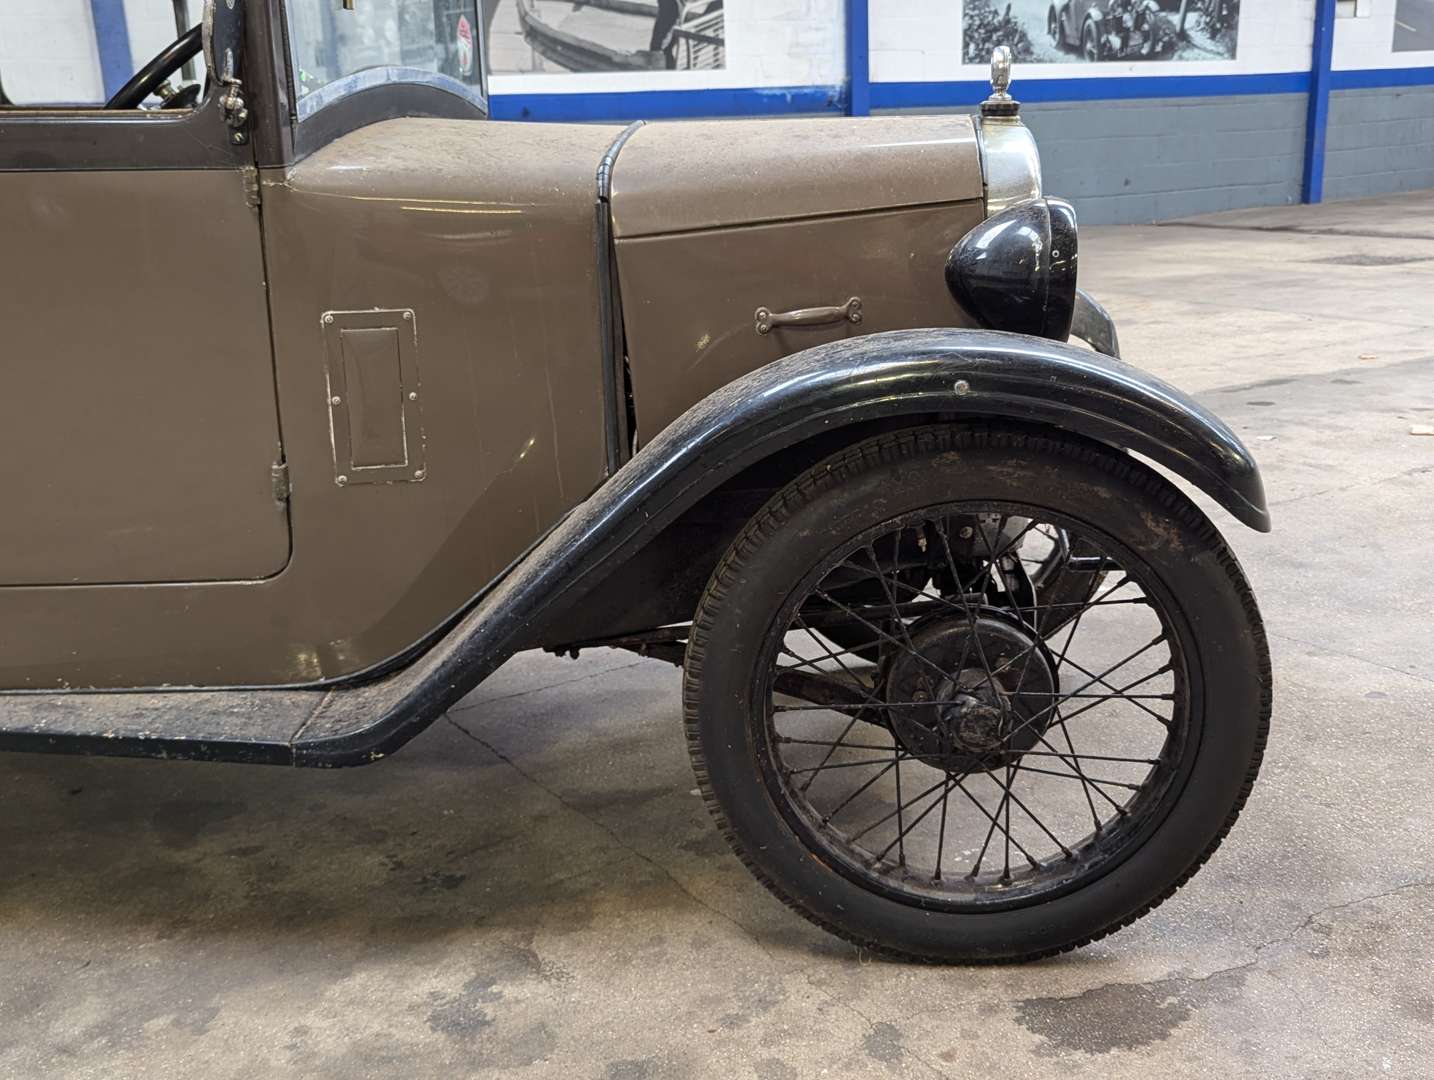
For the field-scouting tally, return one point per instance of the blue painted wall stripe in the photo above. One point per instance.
(669, 104)
(905, 95)
(776, 101)
(112, 43)
(1371, 78)
(858, 58)
(1317, 116)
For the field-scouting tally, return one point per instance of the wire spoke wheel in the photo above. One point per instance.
(999, 750)
(976, 693)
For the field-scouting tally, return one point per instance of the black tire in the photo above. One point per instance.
(1214, 618)
(1090, 43)
(1053, 28)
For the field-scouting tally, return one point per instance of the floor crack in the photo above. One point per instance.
(1258, 950)
(1348, 655)
(616, 838)
(1308, 920)
(1415, 471)
(868, 1021)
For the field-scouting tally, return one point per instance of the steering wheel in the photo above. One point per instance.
(151, 78)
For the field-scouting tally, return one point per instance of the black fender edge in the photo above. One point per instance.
(975, 373)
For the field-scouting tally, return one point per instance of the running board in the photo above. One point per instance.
(258, 727)
(255, 726)
(324, 727)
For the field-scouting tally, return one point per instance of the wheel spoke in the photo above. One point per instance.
(901, 834)
(895, 813)
(882, 634)
(1085, 784)
(995, 820)
(1079, 774)
(855, 716)
(1060, 660)
(827, 742)
(1023, 767)
(941, 834)
(970, 615)
(844, 765)
(1081, 757)
(847, 801)
(1012, 797)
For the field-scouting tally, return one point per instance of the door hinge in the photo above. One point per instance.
(250, 177)
(279, 474)
(231, 101)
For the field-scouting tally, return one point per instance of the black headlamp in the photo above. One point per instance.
(1017, 269)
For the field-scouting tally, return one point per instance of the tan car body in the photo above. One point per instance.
(311, 423)
(181, 507)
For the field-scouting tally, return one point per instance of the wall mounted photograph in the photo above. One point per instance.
(565, 36)
(1414, 26)
(1064, 31)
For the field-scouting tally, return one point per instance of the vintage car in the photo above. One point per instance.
(325, 394)
(1111, 29)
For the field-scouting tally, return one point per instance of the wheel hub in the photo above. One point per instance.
(972, 694)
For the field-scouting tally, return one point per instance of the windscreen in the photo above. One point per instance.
(336, 49)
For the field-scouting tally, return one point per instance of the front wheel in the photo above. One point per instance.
(1003, 782)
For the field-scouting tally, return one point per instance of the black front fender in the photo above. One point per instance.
(978, 373)
(975, 373)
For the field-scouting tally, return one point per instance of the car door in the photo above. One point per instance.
(139, 435)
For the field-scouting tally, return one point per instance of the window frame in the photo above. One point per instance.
(369, 95)
(68, 139)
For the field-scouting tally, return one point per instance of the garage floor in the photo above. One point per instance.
(532, 889)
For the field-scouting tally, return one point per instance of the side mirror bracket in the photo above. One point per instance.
(223, 51)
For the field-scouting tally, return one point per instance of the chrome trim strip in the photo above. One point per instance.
(1010, 162)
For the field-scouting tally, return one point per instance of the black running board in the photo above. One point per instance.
(325, 727)
(258, 727)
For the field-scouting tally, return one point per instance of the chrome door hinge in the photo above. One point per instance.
(236, 113)
(279, 474)
(231, 100)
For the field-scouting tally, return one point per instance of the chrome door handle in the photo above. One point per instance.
(768, 320)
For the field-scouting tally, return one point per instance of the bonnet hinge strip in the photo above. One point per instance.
(610, 326)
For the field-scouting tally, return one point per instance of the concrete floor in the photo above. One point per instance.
(533, 890)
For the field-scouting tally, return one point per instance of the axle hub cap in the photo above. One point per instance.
(974, 695)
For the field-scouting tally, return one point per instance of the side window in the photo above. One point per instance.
(58, 54)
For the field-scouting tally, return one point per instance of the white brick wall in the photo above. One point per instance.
(47, 51)
(1364, 42)
(151, 26)
(915, 40)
